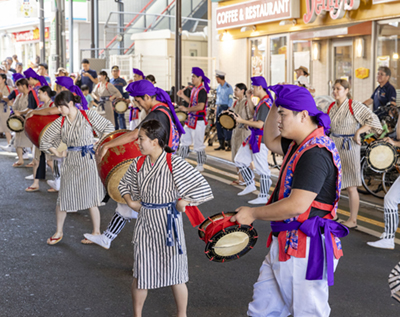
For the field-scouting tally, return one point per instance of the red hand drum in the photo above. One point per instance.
(226, 240)
(36, 126)
(115, 163)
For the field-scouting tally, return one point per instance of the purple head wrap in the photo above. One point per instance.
(297, 98)
(259, 81)
(138, 72)
(145, 87)
(199, 72)
(17, 77)
(68, 83)
(30, 73)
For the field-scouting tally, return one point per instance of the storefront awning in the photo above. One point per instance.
(356, 29)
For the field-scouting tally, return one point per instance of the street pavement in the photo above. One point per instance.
(71, 279)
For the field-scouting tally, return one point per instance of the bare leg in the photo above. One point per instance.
(138, 299)
(60, 218)
(180, 292)
(95, 215)
(354, 203)
(51, 164)
(8, 137)
(19, 153)
(35, 167)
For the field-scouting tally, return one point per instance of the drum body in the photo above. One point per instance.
(226, 240)
(182, 116)
(381, 156)
(16, 123)
(36, 126)
(120, 105)
(227, 120)
(115, 163)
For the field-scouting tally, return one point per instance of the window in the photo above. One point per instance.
(278, 51)
(258, 49)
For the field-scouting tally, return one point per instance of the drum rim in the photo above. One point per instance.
(185, 113)
(21, 119)
(213, 256)
(207, 221)
(230, 115)
(111, 133)
(116, 167)
(120, 100)
(374, 145)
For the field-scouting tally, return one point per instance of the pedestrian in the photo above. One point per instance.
(90, 101)
(241, 132)
(4, 108)
(119, 83)
(134, 111)
(224, 101)
(350, 119)
(253, 148)
(20, 104)
(15, 59)
(294, 278)
(9, 61)
(151, 186)
(19, 68)
(105, 93)
(87, 76)
(9, 74)
(43, 71)
(303, 79)
(385, 93)
(196, 122)
(158, 106)
(81, 187)
(61, 71)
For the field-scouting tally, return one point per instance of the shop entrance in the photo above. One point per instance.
(343, 60)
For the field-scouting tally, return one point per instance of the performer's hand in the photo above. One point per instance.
(181, 205)
(100, 152)
(180, 93)
(112, 98)
(1, 95)
(135, 205)
(238, 118)
(182, 108)
(17, 113)
(357, 138)
(29, 114)
(388, 140)
(244, 216)
(249, 93)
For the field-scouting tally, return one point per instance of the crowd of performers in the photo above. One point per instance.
(304, 243)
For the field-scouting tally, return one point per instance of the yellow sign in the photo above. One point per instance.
(362, 73)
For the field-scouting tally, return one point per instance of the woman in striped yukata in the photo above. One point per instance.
(152, 186)
(349, 119)
(81, 187)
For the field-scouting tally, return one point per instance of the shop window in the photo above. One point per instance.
(343, 60)
(258, 49)
(278, 59)
(388, 49)
(301, 56)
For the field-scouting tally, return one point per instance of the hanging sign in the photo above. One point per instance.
(336, 8)
(255, 12)
(30, 36)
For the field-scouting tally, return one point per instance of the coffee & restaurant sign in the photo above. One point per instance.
(335, 8)
(257, 11)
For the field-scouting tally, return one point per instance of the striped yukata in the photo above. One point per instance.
(343, 122)
(105, 91)
(20, 104)
(4, 109)
(155, 264)
(81, 187)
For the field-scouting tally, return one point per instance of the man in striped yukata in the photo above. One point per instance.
(158, 106)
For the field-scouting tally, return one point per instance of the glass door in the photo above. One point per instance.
(343, 60)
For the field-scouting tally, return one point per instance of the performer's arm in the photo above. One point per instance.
(123, 139)
(182, 95)
(43, 112)
(251, 123)
(196, 108)
(272, 136)
(135, 205)
(250, 103)
(368, 102)
(297, 203)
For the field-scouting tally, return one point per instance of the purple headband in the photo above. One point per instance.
(297, 98)
(199, 72)
(259, 81)
(68, 83)
(17, 77)
(30, 73)
(145, 87)
(138, 72)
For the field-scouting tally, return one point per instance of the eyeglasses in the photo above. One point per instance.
(381, 74)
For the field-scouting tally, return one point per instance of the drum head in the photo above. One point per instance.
(113, 179)
(15, 124)
(62, 147)
(121, 106)
(182, 116)
(381, 157)
(227, 121)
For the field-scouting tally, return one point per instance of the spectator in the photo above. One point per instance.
(18, 68)
(385, 92)
(119, 83)
(303, 79)
(43, 71)
(15, 59)
(3, 70)
(87, 76)
(61, 71)
(9, 61)
(89, 98)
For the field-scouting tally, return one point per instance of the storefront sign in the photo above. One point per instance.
(254, 12)
(30, 36)
(336, 8)
(382, 1)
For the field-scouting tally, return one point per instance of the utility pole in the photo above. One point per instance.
(42, 35)
(96, 26)
(121, 26)
(71, 36)
(92, 44)
(178, 48)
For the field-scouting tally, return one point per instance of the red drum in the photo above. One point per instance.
(226, 240)
(115, 163)
(36, 126)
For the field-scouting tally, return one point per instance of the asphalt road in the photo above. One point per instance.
(71, 279)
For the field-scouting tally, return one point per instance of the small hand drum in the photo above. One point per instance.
(120, 105)
(182, 116)
(227, 120)
(226, 240)
(16, 123)
(381, 156)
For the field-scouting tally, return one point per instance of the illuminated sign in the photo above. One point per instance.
(336, 8)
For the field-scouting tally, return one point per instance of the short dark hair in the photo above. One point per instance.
(48, 90)
(84, 87)
(154, 130)
(313, 118)
(22, 82)
(19, 64)
(44, 65)
(85, 61)
(386, 70)
(3, 76)
(241, 86)
(142, 97)
(221, 77)
(151, 78)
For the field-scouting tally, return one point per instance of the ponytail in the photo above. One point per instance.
(65, 97)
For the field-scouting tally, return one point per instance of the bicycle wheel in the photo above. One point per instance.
(389, 177)
(361, 189)
(372, 181)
